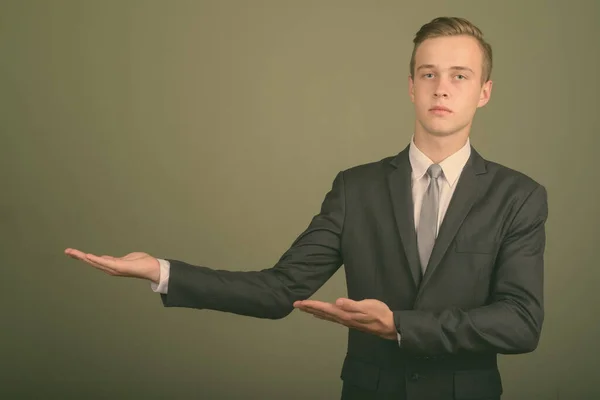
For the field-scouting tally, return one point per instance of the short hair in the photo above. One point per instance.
(453, 26)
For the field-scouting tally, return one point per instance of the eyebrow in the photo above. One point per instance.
(456, 67)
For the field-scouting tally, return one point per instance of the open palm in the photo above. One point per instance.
(135, 265)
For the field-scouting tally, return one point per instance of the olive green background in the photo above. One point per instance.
(210, 131)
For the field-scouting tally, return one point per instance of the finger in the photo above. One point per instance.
(328, 308)
(346, 318)
(341, 316)
(102, 267)
(74, 253)
(313, 303)
(330, 318)
(347, 305)
(105, 261)
(313, 311)
(331, 311)
(79, 255)
(350, 305)
(91, 259)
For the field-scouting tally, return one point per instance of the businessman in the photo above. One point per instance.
(442, 249)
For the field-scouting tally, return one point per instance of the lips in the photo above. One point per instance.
(440, 109)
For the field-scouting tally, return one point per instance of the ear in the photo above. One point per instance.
(411, 88)
(486, 93)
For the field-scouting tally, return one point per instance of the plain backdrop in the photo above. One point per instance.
(210, 132)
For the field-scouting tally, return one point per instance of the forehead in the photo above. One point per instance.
(449, 51)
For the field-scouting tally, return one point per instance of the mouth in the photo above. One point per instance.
(439, 110)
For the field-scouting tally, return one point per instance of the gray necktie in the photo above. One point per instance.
(428, 221)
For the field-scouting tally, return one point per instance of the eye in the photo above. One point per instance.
(461, 77)
(428, 75)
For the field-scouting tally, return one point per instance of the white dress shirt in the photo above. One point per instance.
(452, 167)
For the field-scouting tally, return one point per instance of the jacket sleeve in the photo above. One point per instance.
(311, 260)
(511, 323)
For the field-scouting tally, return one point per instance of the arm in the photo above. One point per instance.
(269, 293)
(512, 322)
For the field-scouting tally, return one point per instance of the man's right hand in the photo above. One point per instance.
(133, 265)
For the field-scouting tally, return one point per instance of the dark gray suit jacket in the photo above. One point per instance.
(481, 295)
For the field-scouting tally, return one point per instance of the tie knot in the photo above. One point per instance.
(434, 171)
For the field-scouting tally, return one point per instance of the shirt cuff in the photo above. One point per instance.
(163, 281)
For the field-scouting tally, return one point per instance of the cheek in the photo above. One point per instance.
(421, 98)
(422, 108)
(466, 100)
(470, 95)
(420, 90)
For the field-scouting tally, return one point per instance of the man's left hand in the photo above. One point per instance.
(370, 315)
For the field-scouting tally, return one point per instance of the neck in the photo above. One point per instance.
(438, 148)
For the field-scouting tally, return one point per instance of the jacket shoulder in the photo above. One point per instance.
(368, 170)
(503, 174)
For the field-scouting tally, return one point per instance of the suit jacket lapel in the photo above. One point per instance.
(465, 195)
(399, 180)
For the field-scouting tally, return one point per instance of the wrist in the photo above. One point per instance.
(154, 275)
(390, 327)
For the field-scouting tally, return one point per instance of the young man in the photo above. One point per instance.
(443, 250)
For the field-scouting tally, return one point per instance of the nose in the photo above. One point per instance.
(441, 90)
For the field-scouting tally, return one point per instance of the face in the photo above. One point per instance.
(447, 86)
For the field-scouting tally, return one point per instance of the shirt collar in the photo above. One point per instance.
(452, 166)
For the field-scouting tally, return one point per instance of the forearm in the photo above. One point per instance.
(218, 294)
(261, 294)
(504, 327)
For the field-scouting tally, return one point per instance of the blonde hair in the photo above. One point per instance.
(453, 26)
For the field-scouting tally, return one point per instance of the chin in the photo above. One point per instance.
(441, 129)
